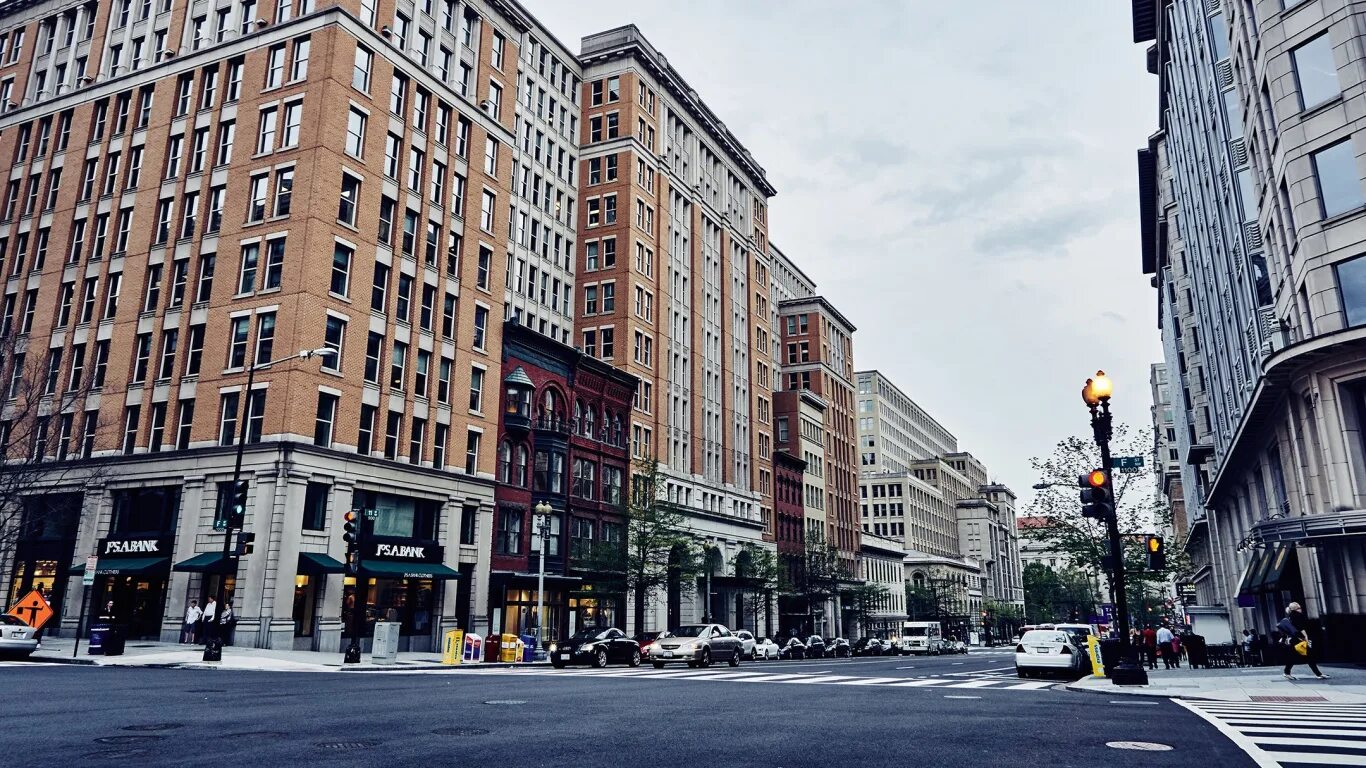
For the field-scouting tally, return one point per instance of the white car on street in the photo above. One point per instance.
(1047, 650)
(765, 649)
(746, 643)
(16, 637)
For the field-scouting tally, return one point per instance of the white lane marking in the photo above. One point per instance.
(915, 683)
(1028, 686)
(1320, 758)
(1136, 703)
(911, 667)
(957, 663)
(1305, 732)
(973, 684)
(869, 681)
(962, 697)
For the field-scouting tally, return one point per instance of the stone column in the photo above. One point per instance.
(249, 596)
(281, 556)
(327, 635)
(193, 502)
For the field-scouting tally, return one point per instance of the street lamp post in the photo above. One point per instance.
(1096, 394)
(213, 645)
(542, 523)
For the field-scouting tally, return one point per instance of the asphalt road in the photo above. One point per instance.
(70, 715)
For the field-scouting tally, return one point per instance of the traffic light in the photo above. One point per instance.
(1157, 554)
(351, 529)
(237, 508)
(1095, 494)
(244, 543)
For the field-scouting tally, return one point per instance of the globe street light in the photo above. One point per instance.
(213, 645)
(542, 525)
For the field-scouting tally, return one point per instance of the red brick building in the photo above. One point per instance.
(562, 441)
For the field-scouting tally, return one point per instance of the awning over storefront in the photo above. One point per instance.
(127, 566)
(1277, 559)
(387, 569)
(316, 564)
(208, 562)
(1252, 575)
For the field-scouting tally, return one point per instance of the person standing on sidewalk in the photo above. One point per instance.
(210, 613)
(1176, 650)
(1294, 628)
(1150, 645)
(1164, 636)
(192, 616)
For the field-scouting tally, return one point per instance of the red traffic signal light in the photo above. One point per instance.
(1095, 494)
(351, 527)
(1096, 478)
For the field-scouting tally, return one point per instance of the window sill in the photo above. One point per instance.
(1322, 106)
(338, 297)
(1338, 218)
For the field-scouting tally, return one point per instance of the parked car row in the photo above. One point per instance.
(701, 645)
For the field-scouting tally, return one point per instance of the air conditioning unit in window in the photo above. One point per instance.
(165, 54)
(262, 23)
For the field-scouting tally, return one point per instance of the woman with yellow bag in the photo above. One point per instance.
(1295, 641)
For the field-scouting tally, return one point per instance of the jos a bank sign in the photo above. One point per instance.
(135, 548)
(402, 549)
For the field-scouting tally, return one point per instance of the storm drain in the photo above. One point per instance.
(338, 746)
(127, 739)
(460, 732)
(154, 727)
(505, 702)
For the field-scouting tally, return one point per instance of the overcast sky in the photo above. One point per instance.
(959, 179)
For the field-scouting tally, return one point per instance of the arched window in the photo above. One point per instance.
(519, 467)
(588, 420)
(578, 414)
(505, 462)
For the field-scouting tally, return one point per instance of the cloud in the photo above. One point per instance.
(1046, 234)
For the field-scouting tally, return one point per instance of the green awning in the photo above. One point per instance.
(1252, 575)
(129, 566)
(387, 569)
(316, 564)
(207, 562)
(1277, 560)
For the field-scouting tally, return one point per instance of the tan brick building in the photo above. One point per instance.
(199, 189)
(673, 286)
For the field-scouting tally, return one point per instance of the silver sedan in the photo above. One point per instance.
(16, 637)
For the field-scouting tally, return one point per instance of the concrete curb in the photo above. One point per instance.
(1127, 690)
(64, 660)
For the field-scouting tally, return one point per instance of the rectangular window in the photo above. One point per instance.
(341, 269)
(472, 438)
(347, 204)
(1335, 168)
(184, 424)
(325, 420)
(334, 337)
(315, 506)
(365, 438)
(355, 133)
(1316, 73)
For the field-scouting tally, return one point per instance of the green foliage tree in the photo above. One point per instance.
(820, 574)
(658, 548)
(759, 570)
(1139, 509)
(864, 601)
(1052, 596)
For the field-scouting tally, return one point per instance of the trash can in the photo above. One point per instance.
(113, 641)
(507, 651)
(99, 636)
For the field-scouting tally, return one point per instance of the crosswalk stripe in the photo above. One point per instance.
(1029, 686)
(1279, 734)
(869, 681)
(973, 684)
(917, 683)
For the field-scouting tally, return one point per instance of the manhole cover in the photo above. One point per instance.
(154, 727)
(460, 732)
(1140, 746)
(127, 739)
(117, 754)
(341, 745)
(505, 702)
(258, 735)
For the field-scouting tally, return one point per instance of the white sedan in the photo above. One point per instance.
(765, 649)
(746, 643)
(1047, 650)
(16, 637)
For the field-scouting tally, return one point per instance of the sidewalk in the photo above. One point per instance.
(139, 653)
(1347, 686)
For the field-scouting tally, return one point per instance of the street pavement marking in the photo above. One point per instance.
(754, 676)
(1275, 735)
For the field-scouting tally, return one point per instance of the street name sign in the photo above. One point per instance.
(1126, 463)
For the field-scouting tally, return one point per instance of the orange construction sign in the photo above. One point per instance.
(33, 610)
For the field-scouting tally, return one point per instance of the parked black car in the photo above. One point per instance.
(838, 648)
(815, 647)
(794, 648)
(866, 646)
(597, 646)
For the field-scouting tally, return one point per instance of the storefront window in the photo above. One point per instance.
(304, 599)
(410, 602)
(140, 510)
(519, 614)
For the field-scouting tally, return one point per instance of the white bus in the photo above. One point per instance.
(922, 637)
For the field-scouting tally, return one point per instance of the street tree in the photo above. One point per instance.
(820, 573)
(758, 569)
(865, 601)
(46, 442)
(1066, 594)
(1140, 509)
(658, 551)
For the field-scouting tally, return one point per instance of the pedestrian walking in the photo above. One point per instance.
(1150, 645)
(192, 616)
(210, 613)
(1294, 629)
(1176, 650)
(1163, 638)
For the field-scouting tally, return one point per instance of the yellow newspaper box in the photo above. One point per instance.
(1093, 650)
(452, 647)
(508, 652)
